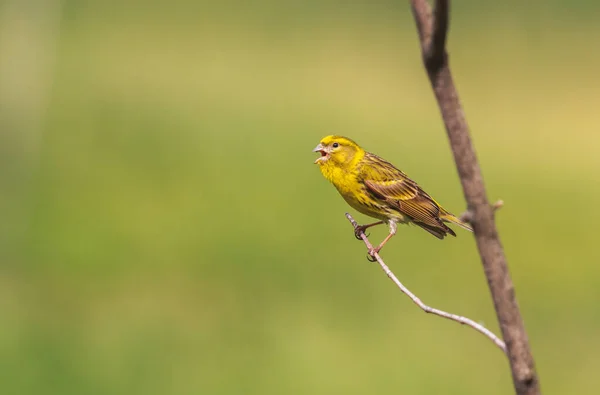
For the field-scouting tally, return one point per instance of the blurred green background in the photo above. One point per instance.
(164, 230)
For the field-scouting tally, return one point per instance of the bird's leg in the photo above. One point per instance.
(361, 229)
(373, 251)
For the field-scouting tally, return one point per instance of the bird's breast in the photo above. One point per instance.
(356, 195)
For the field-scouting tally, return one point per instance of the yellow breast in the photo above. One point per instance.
(353, 191)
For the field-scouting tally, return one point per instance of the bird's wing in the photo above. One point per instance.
(407, 199)
(388, 183)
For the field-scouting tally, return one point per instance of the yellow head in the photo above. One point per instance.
(338, 151)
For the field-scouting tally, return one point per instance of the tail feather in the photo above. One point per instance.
(448, 217)
(438, 231)
(441, 230)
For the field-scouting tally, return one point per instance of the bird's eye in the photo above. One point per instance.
(335, 145)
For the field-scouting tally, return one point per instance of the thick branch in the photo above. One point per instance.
(432, 36)
(436, 49)
(418, 302)
(481, 213)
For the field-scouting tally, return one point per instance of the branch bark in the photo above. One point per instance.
(432, 29)
(454, 317)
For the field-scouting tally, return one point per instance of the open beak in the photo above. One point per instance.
(324, 154)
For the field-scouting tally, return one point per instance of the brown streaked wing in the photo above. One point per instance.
(410, 201)
(392, 189)
(388, 183)
(386, 180)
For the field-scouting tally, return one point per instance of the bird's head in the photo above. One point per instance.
(338, 151)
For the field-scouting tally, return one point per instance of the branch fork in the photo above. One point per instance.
(467, 216)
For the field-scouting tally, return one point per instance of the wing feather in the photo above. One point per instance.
(390, 184)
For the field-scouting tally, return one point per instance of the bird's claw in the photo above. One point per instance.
(371, 255)
(360, 229)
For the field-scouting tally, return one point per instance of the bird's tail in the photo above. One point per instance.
(449, 217)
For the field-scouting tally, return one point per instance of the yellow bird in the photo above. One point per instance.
(378, 189)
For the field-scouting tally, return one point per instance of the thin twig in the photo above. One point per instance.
(460, 319)
(421, 12)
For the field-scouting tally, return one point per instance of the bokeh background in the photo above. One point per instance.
(164, 230)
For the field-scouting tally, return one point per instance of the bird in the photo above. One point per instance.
(375, 187)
